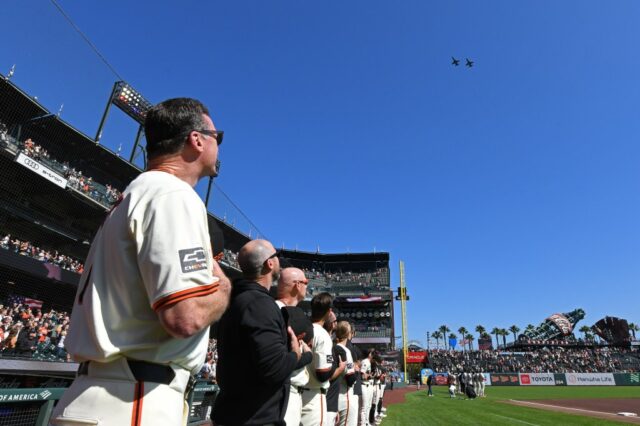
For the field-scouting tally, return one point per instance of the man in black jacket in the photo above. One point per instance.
(255, 359)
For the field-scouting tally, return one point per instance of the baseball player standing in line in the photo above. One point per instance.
(367, 388)
(292, 289)
(357, 386)
(314, 403)
(255, 346)
(150, 288)
(333, 393)
(347, 406)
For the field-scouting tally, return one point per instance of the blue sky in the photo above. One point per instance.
(510, 190)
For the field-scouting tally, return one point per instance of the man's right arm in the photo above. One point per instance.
(190, 316)
(187, 288)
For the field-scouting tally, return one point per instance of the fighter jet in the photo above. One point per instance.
(469, 63)
(455, 61)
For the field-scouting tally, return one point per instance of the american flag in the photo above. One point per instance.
(33, 303)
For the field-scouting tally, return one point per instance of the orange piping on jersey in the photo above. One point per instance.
(136, 416)
(186, 294)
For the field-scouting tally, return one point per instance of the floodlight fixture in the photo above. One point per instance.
(131, 101)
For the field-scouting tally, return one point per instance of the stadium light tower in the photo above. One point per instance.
(132, 103)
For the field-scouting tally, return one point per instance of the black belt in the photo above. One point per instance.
(143, 371)
(321, 390)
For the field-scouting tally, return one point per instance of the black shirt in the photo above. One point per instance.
(357, 356)
(334, 387)
(254, 361)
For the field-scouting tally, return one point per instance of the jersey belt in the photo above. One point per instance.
(143, 371)
(321, 390)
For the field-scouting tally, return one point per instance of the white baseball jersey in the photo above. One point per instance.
(322, 357)
(152, 251)
(349, 369)
(365, 368)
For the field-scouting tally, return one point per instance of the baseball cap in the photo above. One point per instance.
(299, 323)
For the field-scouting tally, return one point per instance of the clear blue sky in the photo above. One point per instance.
(511, 190)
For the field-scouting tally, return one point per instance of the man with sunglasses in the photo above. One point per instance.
(292, 287)
(257, 352)
(151, 288)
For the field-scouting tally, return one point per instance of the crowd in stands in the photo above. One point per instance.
(368, 328)
(103, 194)
(27, 332)
(376, 279)
(545, 360)
(26, 248)
(231, 258)
(208, 370)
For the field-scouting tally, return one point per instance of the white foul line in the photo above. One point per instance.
(563, 407)
(516, 420)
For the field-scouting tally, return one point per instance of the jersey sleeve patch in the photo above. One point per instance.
(199, 291)
(193, 259)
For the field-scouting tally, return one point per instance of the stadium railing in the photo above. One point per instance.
(33, 406)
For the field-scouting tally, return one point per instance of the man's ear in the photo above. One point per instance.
(195, 141)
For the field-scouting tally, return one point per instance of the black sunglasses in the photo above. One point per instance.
(216, 134)
(272, 256)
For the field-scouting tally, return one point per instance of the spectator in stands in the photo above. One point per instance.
(26, 248)
(27, 342)
(253, 345)
(143, 308)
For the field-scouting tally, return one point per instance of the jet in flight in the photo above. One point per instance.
(469, 63)
(455, 61)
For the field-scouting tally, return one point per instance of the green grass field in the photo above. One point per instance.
(441, 410)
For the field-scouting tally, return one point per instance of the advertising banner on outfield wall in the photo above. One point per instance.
(627, 379)
(590, 379)
(537, 379)
(560, 378)
(505, 379)
(487, 379)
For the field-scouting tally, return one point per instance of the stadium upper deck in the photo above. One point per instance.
(56, 185)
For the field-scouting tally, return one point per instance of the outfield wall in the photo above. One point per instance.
(554, 379)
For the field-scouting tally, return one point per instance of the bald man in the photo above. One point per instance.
(292, 287)
(256, 351)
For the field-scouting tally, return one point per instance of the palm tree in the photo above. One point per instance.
(437, 335)
(504, 333)
(530, 328)
(585, 329)
(452, 336)
(633, 328)
(444, 330)
(496, 331)
(469, 338)
(463, 333)
(514, 329)
(480, 330)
